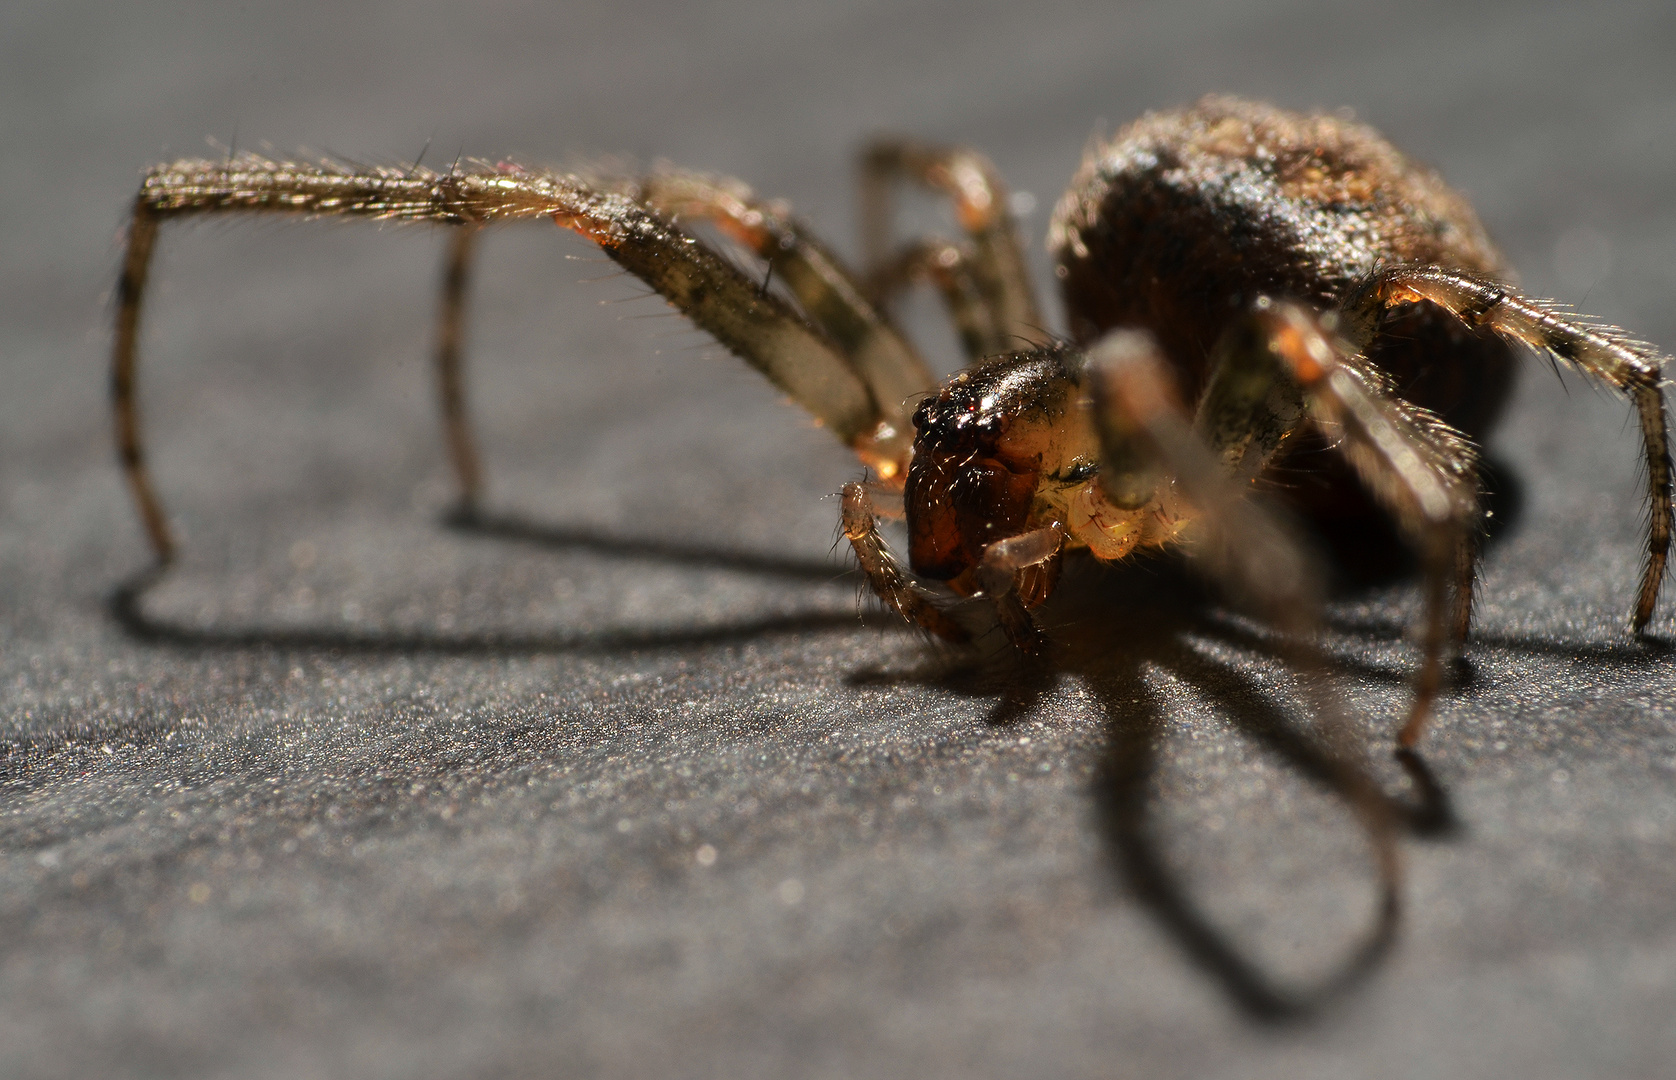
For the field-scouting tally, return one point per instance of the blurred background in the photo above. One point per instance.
(637, 793)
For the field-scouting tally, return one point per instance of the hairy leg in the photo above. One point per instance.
(949, 269)
(980, 202)
(759, 328)
(827, 291)
(1281, 365)
(1633, 367)
(1251, 553)
(824, 287)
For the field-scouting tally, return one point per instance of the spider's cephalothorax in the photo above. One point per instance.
(1247, 290)
(1008, 450)
(981, 448)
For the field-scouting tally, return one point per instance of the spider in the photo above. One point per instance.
(1335, 315)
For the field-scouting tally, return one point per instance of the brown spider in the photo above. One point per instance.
(1320, 299)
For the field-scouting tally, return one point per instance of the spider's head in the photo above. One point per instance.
(985, 446)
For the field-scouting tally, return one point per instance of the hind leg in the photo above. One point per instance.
(1632, 367)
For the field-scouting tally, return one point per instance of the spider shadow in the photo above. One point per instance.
(1160, 611)
(515, 528)
(127, 607)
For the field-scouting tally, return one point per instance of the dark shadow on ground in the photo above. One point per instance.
(518, 529)
(128, 609)
(1148, 614)
(1122, 620)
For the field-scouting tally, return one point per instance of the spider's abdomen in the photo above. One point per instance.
(1179, 223)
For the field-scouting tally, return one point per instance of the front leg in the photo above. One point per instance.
(825, 288)
(1280, 366)
(759, 327)
(1144, 432)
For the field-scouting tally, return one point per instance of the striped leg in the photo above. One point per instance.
(1272, 372)
(826, 290)
(1632, 367)
(1421, 470)
(720, 299)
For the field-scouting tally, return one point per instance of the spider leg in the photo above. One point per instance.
(824, 287)
(1633, 367)
(1280, 366)
(948, 267)
(1144, 428)
(720, 299)
(996, 260)
(130, 290)
(1145, 433)
(891, 581)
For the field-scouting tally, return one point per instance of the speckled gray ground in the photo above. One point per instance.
(385, 799)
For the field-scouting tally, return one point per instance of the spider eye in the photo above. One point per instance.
(1078, 472)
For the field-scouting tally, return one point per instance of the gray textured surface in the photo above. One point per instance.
(430, 803)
